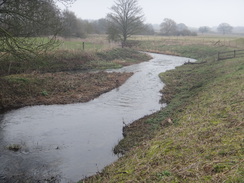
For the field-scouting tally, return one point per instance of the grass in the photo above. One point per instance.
(91, 43)
(56, 88)
(199, 51)
(65, 54)
(72, 60)
(204, 142)
(78, 45)
(200, 47)
(63, 77)
(198, 137)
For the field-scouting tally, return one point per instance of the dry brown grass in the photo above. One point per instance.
(56, 88)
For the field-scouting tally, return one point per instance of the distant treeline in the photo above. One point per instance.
(44, 18)
(77, 27)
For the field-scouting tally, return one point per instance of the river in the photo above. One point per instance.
(64, 143)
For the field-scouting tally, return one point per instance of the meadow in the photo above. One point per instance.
(199, 136)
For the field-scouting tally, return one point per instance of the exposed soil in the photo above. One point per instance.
(56, 88)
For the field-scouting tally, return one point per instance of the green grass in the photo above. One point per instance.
(198, 51)
(199, 47)
(72, 60)
(239, 41)
(61, 55)
(205, 143)
(78, 45)
(29, 81)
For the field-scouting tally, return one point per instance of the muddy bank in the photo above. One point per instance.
(134, 134)
(56, 88)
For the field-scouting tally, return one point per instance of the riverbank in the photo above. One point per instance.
(57, 88)
(53, 81)
(88, 130)
(198, 137)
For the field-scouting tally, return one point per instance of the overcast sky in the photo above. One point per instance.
(193, 13)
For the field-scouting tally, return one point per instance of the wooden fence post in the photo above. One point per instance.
(234, 53)
(83, 45)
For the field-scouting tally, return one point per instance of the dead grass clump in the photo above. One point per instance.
(14, 147)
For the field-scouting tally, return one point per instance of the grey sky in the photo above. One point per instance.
(193, 13)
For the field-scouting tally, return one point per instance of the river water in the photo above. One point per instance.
(64, 143)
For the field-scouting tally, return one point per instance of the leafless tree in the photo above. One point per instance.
(147, 30)
(224, 28)
(126, 19)
(204, 29)
(168, 27)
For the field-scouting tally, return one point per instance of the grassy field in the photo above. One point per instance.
(214, 40)
(199, 136)
(91, 43)
(72, 60)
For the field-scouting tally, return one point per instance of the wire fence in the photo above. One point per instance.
(230, 54)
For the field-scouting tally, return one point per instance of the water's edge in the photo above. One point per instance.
(66, 142)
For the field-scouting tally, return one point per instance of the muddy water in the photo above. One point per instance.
(64, 143)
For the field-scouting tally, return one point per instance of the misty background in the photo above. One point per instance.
(192, 13)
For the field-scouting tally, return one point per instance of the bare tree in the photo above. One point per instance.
(181, 27)
(126, 19)
(224, 28)
(100, 26)
(147, 30)
(168, 27)
(204, 29)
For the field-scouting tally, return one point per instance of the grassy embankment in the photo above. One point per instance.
(50, 79)
(199, 136)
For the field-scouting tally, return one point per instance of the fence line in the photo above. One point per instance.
(230, 54)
